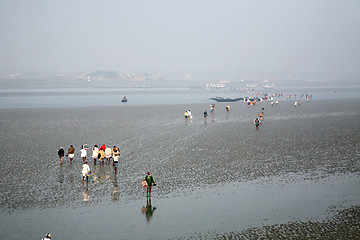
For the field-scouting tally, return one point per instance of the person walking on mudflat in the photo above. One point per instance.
(71, 153)
(101, 156)
(150, 182)
(116, 155)
(257, 123)
(227, 108)
(95, 152)
(108, 154)
(205, 115)
(85, 172)
(83, 152)
(61, 154)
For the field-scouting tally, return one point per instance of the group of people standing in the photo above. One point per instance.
(272, 102)
(102, 154)
(188, 115)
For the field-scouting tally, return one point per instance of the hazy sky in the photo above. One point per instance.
(230, 36)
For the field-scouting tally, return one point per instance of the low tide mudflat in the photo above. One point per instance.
(296, 177)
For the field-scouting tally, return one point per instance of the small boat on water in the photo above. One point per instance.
(221, 99)
(124, 99)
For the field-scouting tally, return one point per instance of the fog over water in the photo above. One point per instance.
(208, 39)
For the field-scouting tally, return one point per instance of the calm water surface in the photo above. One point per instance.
(81, 97)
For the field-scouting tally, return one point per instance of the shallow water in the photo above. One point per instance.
(297, 150)
(226, 208)
(107, 96)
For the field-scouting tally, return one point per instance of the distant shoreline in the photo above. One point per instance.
(96, 97)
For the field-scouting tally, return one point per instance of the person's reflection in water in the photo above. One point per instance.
(61, 175)
(71, 174)
(115, 194)
(85, 193)
(103, 174)
(212, 118)
(148, 210)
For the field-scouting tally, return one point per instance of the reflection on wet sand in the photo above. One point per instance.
(148, 210)
(101, 174)
(85, 193)
(212, 117)
(71, 174)
(115, 194)
(61, 175)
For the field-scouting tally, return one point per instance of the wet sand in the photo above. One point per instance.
(195, 164)
(344, 225)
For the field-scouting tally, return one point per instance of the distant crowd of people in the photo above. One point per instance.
(250, 102)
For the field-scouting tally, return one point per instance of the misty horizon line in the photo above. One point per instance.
(182, 75)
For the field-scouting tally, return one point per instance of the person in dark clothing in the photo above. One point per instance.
(257, 123)
(61, 154)
(150, 182)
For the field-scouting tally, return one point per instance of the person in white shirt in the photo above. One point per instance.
(116, 155)
(85, 171)
(83, 152)
(95, 152)
(108, 154)
(189, 115)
